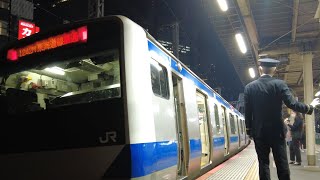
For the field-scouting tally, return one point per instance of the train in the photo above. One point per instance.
(102, 99)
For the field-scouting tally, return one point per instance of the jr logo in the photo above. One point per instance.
(112, 135)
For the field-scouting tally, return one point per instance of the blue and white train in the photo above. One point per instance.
(102, 99)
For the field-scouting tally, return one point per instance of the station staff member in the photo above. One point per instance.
(263, 113)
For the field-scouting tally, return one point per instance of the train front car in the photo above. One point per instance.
(63, 104)
(101, 99)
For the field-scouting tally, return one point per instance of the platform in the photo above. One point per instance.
(244, 166)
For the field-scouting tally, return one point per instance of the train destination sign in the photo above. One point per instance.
(79, 35)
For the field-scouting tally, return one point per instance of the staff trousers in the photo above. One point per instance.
(278, 146)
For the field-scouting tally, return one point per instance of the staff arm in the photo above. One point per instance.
(291, 102)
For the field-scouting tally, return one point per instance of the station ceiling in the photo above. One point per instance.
(280, 29)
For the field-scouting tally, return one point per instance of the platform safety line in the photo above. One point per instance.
(238, 170)
(211, 172)
(256, 177)
(253, 173)
(235, 168)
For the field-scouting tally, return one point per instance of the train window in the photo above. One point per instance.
(159, 79)
(236, 122)
(240, 124)
(216, 117)
(232, 124)
(244, 126)
(204, 128)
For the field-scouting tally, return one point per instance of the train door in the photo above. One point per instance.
(239, 127)
(204, 128)
(226, 131)
(181, 126)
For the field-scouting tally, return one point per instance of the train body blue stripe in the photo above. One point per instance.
(155, 156)
(195, 148)
(154, 48)
(218, 142)
(234, 139)
(147, 158)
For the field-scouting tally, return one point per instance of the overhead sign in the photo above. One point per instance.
(79, 35)
(26, 29)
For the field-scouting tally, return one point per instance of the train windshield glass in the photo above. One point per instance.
(63, 83)
(72, 65)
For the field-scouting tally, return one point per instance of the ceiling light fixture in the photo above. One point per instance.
(241, 43)
(252, 73)
(223, 5)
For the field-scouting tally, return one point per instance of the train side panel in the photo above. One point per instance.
(164, 115)
(141, 123)
(153, 154)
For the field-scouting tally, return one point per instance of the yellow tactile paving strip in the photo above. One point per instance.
(243, 166)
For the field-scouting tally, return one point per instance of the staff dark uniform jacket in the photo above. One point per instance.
(263, 105)
(263, 113)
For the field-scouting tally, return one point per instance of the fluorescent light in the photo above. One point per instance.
(241, 43)
(223, 5)
(55, 70)
(317, 94)
(252, 73)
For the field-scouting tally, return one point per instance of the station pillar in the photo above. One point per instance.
(308, 97)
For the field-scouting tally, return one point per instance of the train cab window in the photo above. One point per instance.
(77, 81)
(232, 124)
(159, 79)
(216, 117)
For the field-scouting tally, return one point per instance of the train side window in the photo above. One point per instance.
(216, 117)
(232, 124)
(159, 79)
(204, 127)
(241, 125)
(244, 126)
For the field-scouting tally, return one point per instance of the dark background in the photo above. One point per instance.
(207, 58)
